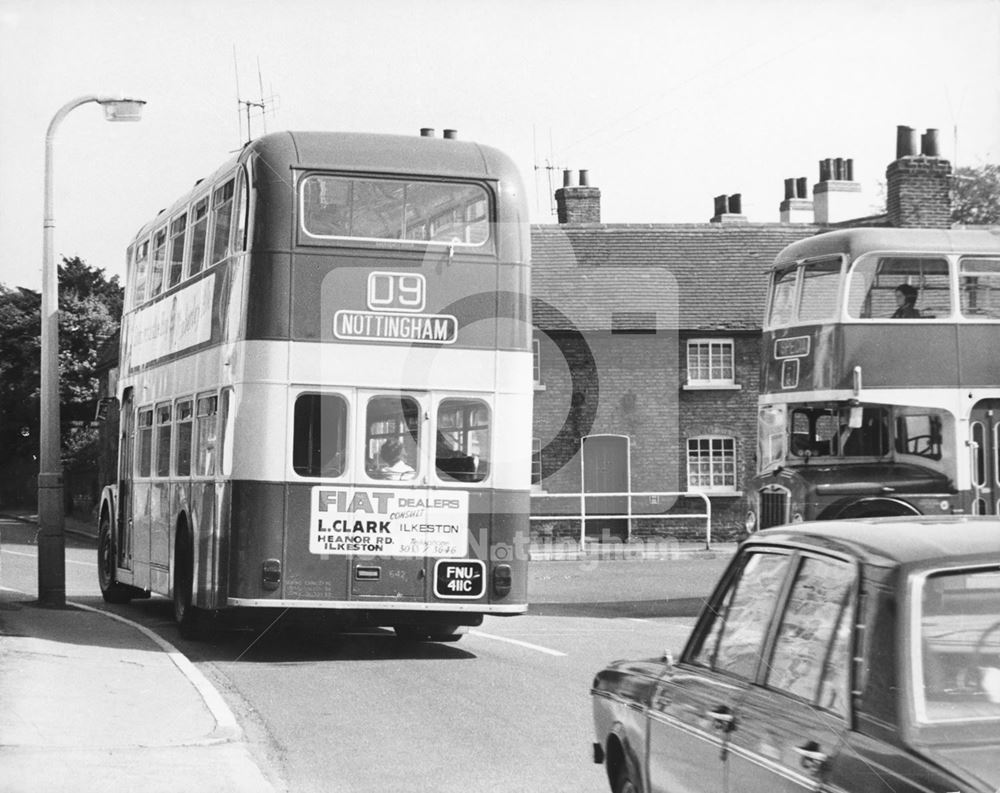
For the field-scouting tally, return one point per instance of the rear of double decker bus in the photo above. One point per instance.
(879, 382)
(381, 390)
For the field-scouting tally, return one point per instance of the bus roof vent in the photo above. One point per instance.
(451, 134)
(427, 132)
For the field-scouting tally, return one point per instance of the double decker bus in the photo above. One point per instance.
(324, 391)
(880, 379)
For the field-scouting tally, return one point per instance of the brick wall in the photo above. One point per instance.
(634, 389)
(578, 205)
(919, 192)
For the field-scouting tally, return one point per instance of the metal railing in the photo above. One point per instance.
(634, 511)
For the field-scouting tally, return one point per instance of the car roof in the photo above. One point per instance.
(912, 540)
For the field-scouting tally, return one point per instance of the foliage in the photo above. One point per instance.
(89, 311)
(976, 196)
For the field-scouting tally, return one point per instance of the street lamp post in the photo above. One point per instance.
(51, 515)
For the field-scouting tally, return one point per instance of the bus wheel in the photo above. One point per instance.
(429, 633)
(111, 590)
(186, 615)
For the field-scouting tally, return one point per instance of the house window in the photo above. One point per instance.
(710, 363)
(536, 462)
(712, 464)
(536, 361)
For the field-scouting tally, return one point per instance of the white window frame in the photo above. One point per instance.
(536, 364)
(694, 460)
(536, 465)
(698, 383)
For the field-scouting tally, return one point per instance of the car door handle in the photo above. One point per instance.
(812, 757)
(723, 718)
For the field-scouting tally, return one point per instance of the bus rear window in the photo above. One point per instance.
(319, 443)
(463, 440)
(339, 207)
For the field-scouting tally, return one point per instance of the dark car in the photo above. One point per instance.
(839, 655)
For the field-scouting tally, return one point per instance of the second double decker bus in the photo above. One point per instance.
(880, 384)
(325, 388)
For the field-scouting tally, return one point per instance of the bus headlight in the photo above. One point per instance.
(797, 517)
(502, 580)
(751, 522)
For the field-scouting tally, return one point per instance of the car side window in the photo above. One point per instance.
(811, 650)
(734, 641)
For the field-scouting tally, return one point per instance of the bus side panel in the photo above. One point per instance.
(508, 516)
(267, 312)
(256, 533)
(979, 365)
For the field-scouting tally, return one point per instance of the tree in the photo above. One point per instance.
(976, 198)
(89, 313)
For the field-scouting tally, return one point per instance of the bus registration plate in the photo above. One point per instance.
(459, 578)
(377, 522)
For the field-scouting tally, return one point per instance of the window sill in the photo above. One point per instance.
(711, 387)
(719, 493)
(539, 386)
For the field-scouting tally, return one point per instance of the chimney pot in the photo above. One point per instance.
(789, 189)
(824, 170)
(929, 143)
(721, 205)
(802, 187)
(427, 132)
(735, 204)
(906, 138)
(849, 170)
(584, 178)
(838, 169)
(567, 178)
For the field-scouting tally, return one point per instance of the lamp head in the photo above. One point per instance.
(124, 109)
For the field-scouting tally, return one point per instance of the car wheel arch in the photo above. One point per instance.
(619, 754)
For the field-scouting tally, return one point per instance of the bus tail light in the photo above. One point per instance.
(501, 580)
(271, 574)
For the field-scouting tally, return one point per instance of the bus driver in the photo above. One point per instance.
(393, 465)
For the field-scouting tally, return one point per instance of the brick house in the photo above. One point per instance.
(647, 342)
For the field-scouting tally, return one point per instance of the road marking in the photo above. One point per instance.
(518, 642)
(34, 555)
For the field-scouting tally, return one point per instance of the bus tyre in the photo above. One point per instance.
(186, 615)
(111, 590)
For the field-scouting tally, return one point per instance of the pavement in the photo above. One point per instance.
(90, 699)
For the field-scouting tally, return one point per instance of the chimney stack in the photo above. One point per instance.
(837, 197)
(918, 186)
(729, 209)
(578, 203)
(797, 207)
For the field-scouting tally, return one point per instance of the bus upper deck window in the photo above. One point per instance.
(820, 290)
(874, 281)
(979, 287)
(783, 296)
(199, 236)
